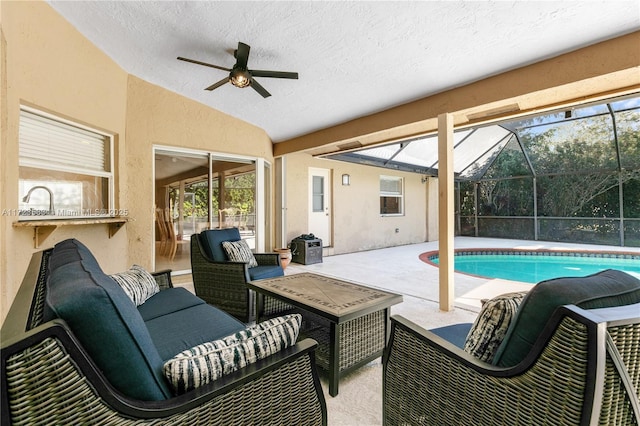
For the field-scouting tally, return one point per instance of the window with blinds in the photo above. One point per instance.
(65, 170)
(391, 196)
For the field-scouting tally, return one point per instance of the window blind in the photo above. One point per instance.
(390, 185)
(48, 143)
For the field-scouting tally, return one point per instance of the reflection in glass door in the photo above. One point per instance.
(234, 198)
(195, 191)
(182, 206)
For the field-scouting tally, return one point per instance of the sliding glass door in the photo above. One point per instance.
(195, 191)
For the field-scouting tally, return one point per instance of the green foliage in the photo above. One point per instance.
(576, 165)
(240, 192)
(239, 195)
(577, 169)
(510, 162)
(506, 197)
(198, 208)
(578, 145)
(579, 195)
(631, 202)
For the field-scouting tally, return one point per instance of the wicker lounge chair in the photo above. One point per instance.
(583, 369)
(223, 283)
(48, 377)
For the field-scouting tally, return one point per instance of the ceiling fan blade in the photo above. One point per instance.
(218, 84)
(274, 74)
(258, 88)
(242, 55)
(203, 63)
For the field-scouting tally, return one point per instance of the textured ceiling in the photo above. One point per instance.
(354, 58)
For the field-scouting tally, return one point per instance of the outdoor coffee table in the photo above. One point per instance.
(350, 322)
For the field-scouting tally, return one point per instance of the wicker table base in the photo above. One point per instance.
(349, 321)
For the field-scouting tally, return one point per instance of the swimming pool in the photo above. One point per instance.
(533, 266)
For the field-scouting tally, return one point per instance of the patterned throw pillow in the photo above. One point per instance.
(137, 283)
(209, 361)
(239, 251)
(491, 325)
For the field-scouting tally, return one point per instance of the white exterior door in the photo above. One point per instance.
(319, 205)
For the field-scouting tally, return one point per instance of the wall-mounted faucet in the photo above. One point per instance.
(26, 197)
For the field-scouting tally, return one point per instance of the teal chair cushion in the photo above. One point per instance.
(211, 241)
(265, 271)
(454, 333)
(601, 290)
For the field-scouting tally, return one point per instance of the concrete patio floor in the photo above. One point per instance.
(399, 269)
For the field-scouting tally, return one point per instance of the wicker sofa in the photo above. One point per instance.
(77, 350)
(560, 363)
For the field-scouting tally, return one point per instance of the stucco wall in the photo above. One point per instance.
(432, 209)
(356, 221)
(48, 65)
(156, 116)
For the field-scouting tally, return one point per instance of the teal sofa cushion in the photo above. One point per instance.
(211, 241)
(601, 290)
(168, 301)
(105, 321)
(190, 327)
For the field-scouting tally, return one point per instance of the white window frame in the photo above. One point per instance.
(107, 172)
(393, 194)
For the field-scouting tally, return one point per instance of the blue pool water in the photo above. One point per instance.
(532, 268)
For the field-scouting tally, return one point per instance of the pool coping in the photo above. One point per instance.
(427, 257)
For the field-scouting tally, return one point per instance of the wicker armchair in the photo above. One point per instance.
(583, 370)
(223, 283)
(48, 378)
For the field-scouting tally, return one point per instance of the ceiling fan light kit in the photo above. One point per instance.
(240, 75)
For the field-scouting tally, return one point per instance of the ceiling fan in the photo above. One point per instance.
(240, 75)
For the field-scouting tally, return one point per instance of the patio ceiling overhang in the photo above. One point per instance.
(593, 73)
(475, 149)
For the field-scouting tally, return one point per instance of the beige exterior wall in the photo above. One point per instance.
(356, 221)
(156, 116)
(432, 209)
(50, 66)
(47, 64)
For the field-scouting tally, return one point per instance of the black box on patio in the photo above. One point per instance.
(306, 251)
